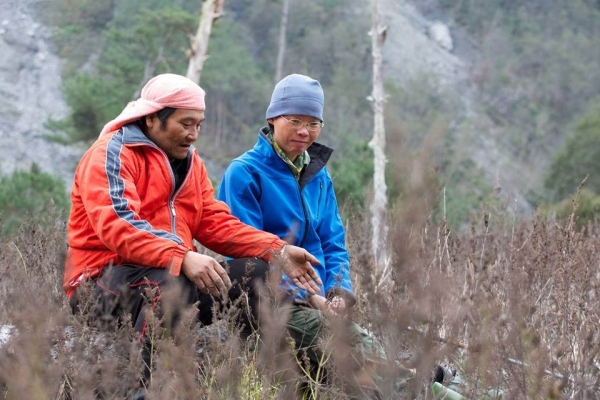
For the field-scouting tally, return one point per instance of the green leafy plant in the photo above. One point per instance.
(30, 195)
(579, 156)
(352, 175)
(154, 43)
(585, 205)
(85, 94)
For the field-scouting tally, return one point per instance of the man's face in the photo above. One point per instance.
(293, 141)
(181, 130)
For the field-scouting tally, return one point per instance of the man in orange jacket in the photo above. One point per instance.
(141, 195)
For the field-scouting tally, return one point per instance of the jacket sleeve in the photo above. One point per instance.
(112, 204)
(333, 242)
(240, 188)
(224, 233)
(241, 191)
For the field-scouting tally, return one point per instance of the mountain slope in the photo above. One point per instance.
(30, 92)
(30, 85)
(414, 48)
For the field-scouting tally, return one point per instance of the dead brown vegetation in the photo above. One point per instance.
(510, 304)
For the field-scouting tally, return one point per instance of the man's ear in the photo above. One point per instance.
(270, 120)
(151, 119)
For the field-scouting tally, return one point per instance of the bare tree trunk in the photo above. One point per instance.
(211, 11)
(377, 144)
(282, 35)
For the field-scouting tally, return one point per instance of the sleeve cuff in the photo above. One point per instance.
(177, 261)
(274, 250)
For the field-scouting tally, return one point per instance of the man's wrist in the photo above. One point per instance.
(282, 251)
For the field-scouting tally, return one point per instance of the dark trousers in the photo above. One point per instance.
(124, 290)
(130, 289)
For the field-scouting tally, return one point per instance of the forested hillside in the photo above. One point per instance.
(488, 110)
(491, 255)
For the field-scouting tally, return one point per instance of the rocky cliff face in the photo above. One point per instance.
(416, 46)
(30, 92)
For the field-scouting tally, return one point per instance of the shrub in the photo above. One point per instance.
(511, 306)
(587, 208)
(579, 156)
(30, 194)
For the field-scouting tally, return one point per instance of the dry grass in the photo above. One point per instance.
(511, 305)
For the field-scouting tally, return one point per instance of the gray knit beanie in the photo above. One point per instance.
(297, 94)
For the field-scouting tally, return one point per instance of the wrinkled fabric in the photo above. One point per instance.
(165, 90)
(125, 210)
(262, 191)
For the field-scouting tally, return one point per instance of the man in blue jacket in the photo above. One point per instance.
(282, 186)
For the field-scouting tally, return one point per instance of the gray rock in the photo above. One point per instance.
(440, 33)
(6, 332)
(30, 93)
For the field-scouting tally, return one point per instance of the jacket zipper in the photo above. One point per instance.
(319, 201)
(171, 201)
(305, 233)
(175, 193)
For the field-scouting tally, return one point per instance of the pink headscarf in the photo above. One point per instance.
(165, 90)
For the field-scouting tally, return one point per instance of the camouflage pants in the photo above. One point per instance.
(357, 357)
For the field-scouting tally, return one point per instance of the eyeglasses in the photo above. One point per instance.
(297, 124)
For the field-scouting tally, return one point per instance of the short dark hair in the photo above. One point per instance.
(162, 115)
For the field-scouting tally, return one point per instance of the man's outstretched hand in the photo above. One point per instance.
(296, 265)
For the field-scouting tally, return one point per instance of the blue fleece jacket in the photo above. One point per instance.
(262, 192)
